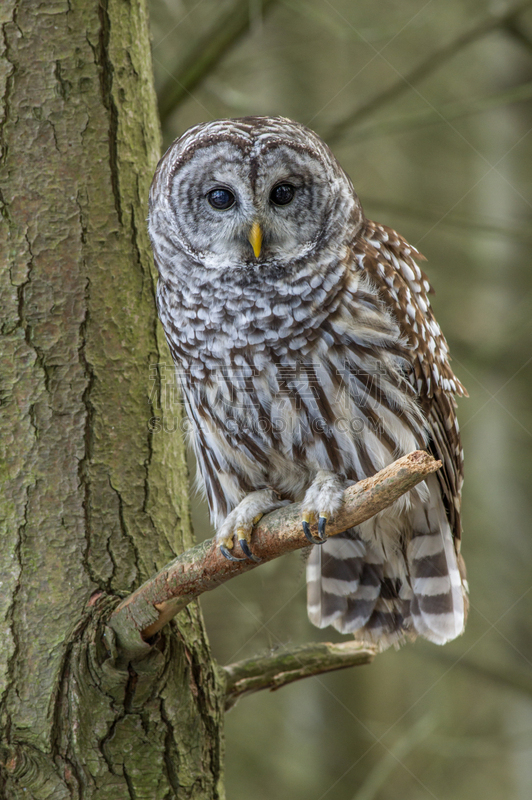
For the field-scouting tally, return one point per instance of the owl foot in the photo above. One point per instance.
(322, 499)
(244, 540)
(239, 523)
(322, 521)
(225, 552)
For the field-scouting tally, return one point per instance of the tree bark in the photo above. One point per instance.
(90, 504)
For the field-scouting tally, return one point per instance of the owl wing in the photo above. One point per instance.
(388, 260)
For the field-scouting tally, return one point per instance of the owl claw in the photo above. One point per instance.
(230, 557)
(246, 550)
(321, 530)
(238, 525)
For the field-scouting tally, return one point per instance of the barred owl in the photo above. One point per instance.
(309, 358)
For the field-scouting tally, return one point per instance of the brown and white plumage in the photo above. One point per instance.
(378, 606)
(309, 360)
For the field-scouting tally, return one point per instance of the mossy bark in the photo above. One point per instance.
(92, 500)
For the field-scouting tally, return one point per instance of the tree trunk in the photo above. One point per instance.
(93, 499)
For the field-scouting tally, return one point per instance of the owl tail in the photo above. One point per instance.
(346, 587)
(439, 603)
(351, 586)
(364, 582)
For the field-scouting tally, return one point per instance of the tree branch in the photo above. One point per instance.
(203, 568)
(436, 58)
(279, 669)
(206, 53)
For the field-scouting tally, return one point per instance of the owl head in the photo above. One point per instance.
(246, 193)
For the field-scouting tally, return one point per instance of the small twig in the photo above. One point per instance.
(437, 57)
(206, 53)
(203, 568)
(279, 669)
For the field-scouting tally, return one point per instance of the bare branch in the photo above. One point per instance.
(278, 669)
(203, 568)
(435, 60)
(206, 53)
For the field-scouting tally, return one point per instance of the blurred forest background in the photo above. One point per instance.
(427, 107)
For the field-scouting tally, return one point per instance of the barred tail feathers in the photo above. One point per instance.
(348, 588)
(439, 592)
(384, 584)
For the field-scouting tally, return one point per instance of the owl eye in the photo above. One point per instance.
(221, 198)
(282, 194)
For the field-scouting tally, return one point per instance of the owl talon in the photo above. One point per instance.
(229, 556)
(306, 530)
(322, 522)
(246, 549)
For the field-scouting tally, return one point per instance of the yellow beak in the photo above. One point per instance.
(255, 238)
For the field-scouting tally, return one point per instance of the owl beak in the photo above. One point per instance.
(255, 238)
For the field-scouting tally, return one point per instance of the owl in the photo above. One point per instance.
(309, 358)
